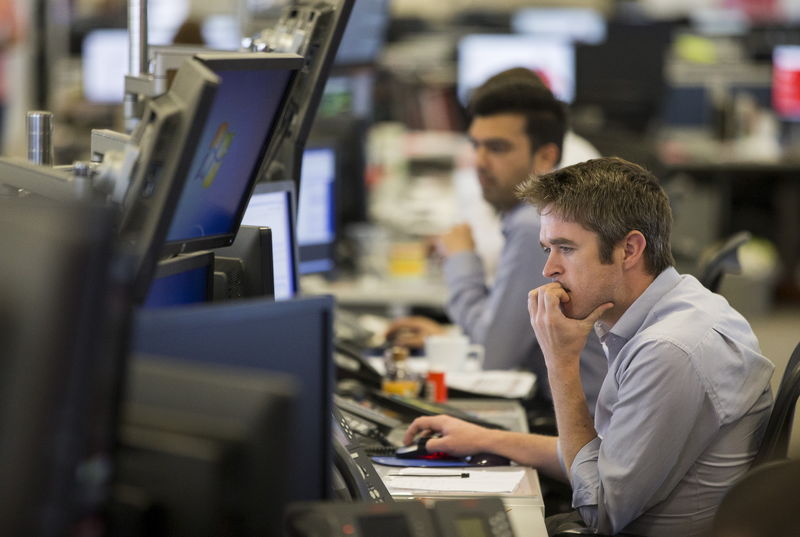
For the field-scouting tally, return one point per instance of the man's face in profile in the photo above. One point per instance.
(503, 156)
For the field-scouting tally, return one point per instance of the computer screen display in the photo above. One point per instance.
(364, 34)
(231, 148)
(181, 280)
(316, 211)
(786, 82)
(291, 336)
(483, 56)
(581, 25)
(103, 75)
(272, 205)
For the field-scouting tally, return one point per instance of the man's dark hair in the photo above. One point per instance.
(521, 91)
(611, 197)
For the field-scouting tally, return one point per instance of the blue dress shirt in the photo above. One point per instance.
(680, 414)
(497, 316)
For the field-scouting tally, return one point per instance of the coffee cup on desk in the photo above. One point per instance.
(453, 353)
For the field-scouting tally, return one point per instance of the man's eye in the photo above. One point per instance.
(545, 249)
(566, 249)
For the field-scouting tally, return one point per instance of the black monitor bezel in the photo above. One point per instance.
(233, 61)
(288, 187)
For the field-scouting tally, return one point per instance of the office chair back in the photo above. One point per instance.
(775, 444)
(721, 260)
(763, 502)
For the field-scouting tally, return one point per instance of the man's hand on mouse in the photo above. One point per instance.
(458, 437)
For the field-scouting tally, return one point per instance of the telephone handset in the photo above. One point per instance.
(354, 466)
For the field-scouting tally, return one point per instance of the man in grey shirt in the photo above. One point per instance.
(683, 408)
(517, 130)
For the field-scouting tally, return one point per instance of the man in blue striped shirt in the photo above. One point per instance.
(683, 407)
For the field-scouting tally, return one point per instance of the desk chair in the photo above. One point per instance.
(775, 444)
(722, 259)
(763, 502)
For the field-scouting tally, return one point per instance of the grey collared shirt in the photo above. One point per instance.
(680, 415)
(497, 316)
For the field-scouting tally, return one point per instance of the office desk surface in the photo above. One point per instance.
(524, 505)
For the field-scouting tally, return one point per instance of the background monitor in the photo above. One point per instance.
(102, 72)
(365, 33)
(316, 211)
(292, 336)
(623, 78)
(786, 82)
(230, 151)
(482, 56)
(574, 24)
(272, 205)
(62, 322)
(184, 279)
(244, 269)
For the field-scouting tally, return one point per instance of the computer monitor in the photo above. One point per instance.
(786, 82)
(244, 269)
(573, 24)
(198, 445)
(240, 127)
(272, 205)
(64, 317)
(622, 79)
(180, 280)
(316, 211)
(321, 25)
(166, 140)
(364, 34)
(103, 75)
(290, 336)
(481, 56)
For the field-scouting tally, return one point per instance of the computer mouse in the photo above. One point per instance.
(417, 450)
(487, 459)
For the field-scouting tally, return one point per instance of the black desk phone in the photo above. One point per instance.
(478, 517)
(354, 466)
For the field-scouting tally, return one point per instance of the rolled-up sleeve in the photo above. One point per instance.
(661, 421)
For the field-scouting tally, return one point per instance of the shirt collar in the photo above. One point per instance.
(631, 321)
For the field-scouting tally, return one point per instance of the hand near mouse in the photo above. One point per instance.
(458, 437)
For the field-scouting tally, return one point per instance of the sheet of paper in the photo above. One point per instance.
(447, 480)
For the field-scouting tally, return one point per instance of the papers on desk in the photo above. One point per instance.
(496, 383)
(493, 383)
(460, 480)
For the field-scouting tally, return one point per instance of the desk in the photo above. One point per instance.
(525, 504)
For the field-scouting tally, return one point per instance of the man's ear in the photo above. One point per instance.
(634, 245)
(545, 159)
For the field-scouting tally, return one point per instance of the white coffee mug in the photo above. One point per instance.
(453, 352)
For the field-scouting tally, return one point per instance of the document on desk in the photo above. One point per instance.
(496, 383)
(461, 480)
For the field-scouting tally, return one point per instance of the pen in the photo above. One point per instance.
(461, 475)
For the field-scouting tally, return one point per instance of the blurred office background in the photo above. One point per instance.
(705, 93)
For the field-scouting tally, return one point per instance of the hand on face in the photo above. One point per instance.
(458, 438)
(457, 239)
(557, 334)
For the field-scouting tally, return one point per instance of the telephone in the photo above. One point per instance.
(354, 466)
(474, 517)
